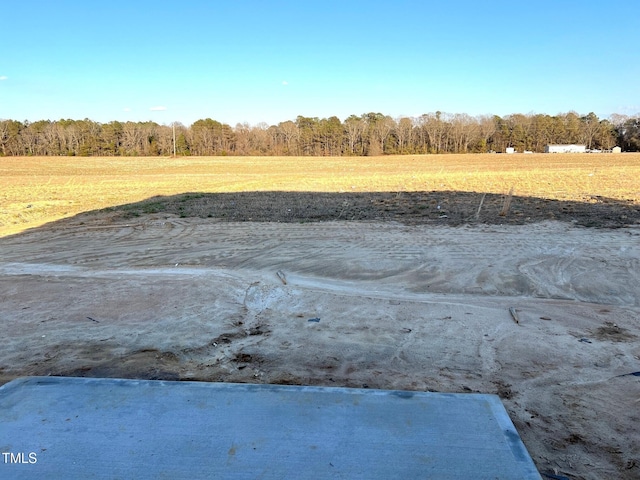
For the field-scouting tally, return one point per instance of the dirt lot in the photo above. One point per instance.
(419, 305)
(409, 289)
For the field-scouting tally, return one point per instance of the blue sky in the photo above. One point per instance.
(270, 61)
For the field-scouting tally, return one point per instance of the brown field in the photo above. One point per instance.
(36, 190)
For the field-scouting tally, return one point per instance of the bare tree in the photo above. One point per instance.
(380, 127)
(486, 129)
(291, 136)
(403, 132)
(132, 138)
(435, 127)
(355, 128)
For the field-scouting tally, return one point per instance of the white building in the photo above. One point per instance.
(565, 149)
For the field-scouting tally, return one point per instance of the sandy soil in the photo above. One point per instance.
(379, 305)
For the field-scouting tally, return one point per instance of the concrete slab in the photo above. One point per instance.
(57, 427)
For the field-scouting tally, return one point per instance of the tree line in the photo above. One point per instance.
(367, 134)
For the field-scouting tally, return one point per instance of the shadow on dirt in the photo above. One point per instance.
(410, 208)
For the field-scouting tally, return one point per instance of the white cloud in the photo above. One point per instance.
(3, 77)
(159, 108)
(126, 109)
(284, 82)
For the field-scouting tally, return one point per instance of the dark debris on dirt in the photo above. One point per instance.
(409, 208)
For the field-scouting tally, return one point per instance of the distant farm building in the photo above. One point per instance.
(616, 150)
(565, 149)
(510, 150)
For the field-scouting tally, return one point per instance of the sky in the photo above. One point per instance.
(256, 61)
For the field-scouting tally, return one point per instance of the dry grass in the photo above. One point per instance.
(36, 190)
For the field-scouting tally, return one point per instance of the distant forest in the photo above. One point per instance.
(368, 134)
